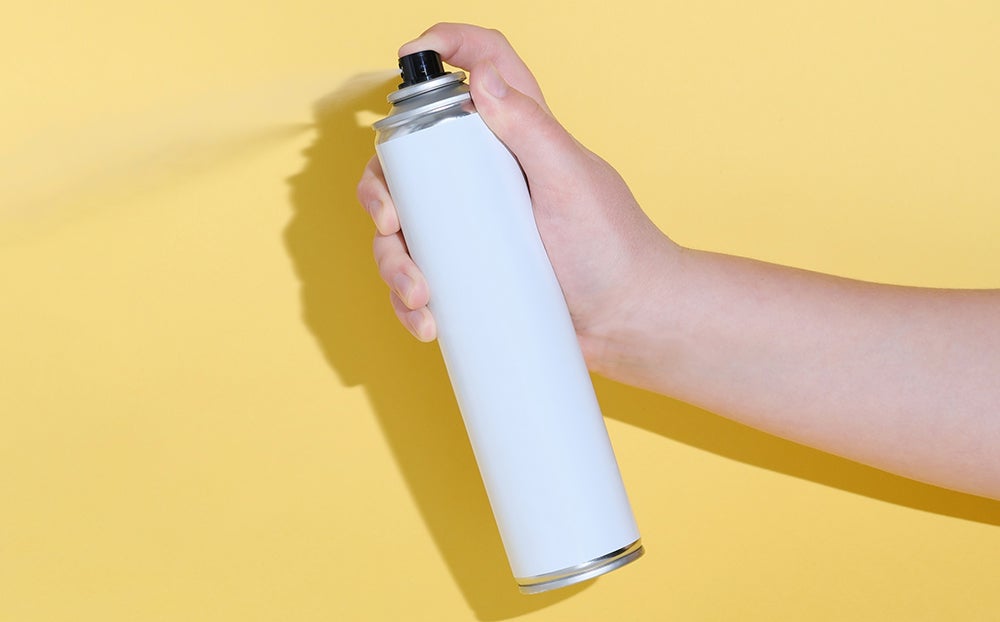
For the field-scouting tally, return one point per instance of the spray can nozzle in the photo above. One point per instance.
(420, 67)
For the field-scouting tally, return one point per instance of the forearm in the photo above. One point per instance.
(904, 379)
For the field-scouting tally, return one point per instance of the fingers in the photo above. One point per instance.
(373, 194)
(391, 255)
(507, 96)
(409, 291)
(466, 46)
(546, 151)
(419, 322)
(398, 270)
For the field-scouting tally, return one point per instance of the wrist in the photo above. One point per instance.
(644, 332)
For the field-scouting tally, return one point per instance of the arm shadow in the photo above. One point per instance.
(699, 428)
(346, 308)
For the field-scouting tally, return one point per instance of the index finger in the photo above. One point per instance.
(466, 46)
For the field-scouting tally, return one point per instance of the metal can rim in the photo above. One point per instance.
(422, 87)
(402, 117)
(581, 572)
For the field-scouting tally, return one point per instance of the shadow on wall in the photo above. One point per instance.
(346, 307)
(702, 429)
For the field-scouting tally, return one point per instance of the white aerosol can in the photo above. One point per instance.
(505, 333)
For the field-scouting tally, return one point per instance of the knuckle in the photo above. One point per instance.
(360, 193)
(497, 36)
(387, 270)
(495, 42)
(364, 190)
(379, 251)
(388, 254)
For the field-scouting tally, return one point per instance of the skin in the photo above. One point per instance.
(904, 379)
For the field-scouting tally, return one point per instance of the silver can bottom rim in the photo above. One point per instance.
(581, 572)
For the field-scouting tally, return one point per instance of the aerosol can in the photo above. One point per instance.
(505, 334)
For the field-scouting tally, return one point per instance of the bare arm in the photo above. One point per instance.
(904, 379)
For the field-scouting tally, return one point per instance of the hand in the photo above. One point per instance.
(903, 379)
(599, 241)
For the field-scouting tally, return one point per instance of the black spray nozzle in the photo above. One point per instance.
(420, 67)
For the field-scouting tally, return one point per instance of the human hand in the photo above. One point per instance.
(825, 361)
(598, 239)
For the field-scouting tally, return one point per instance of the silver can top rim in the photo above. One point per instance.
(422, 87)
(403, 117)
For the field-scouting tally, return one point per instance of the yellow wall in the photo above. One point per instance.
(207, 411)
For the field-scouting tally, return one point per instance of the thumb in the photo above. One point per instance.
(542, 146)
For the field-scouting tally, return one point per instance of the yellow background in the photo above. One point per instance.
(207, 411)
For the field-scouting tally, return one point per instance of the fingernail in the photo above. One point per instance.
(421, 323)
(403, 285)
(494, 83)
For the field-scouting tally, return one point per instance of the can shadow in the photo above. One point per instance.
(346, 307)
